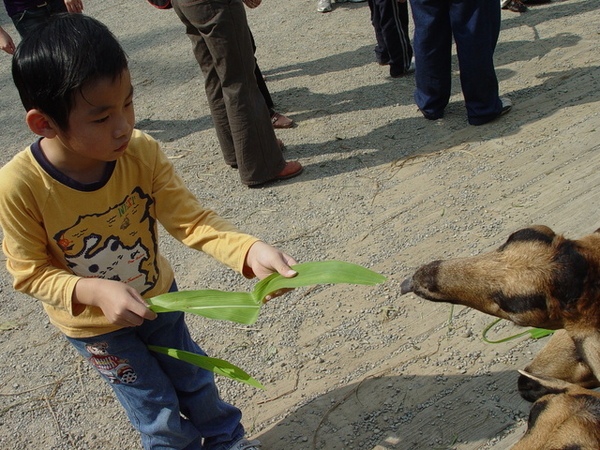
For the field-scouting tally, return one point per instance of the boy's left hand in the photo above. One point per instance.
(263, 260)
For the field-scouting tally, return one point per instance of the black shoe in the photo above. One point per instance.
(398, 74)
(431, 116)
(506, 107)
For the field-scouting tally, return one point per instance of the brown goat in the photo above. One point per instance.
(564, 416)
(538, 279)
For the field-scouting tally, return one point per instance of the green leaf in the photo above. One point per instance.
(234, 306)
(215, 365)
(535, 333)
(317, 272)
(538, 333)
(243, 307)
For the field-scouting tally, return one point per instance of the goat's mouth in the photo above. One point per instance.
(406, 286)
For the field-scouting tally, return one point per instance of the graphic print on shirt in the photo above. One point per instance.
(112, 367)
(118, 244)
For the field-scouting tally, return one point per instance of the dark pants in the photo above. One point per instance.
(262, 85)
(222, 45)
(27, 20)
(475, 26)
(390, 21)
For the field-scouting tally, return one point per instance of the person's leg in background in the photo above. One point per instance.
(223, 47)
(476, 27)
(382, 55)
(278, 120)
(432, 45)
(390, 21)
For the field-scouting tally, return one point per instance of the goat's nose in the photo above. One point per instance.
(406, 286)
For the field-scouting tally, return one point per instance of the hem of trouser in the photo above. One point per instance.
(482, 120)
(435, 116)
(227, 446)
(272, 178)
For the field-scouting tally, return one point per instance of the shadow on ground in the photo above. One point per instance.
(396, 413)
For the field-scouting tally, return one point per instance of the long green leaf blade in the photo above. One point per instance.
(538, 333)
(215, 365)
(535, 333)
(317, 272)
(237, 307)
(244, 307)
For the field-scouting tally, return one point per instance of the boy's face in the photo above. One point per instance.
(101, 121)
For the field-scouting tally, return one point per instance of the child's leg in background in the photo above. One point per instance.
(390, 21)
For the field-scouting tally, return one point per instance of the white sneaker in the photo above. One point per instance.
(245, 444)
(324, 6)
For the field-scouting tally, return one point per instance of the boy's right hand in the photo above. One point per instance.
(121, 304)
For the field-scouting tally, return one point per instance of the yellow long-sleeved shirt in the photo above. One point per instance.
(57, 230)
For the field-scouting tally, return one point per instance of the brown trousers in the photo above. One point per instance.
(222, 45)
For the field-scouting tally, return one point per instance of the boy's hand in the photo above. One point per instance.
(121, 304)
(263, 260)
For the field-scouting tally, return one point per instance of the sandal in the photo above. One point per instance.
(280, 121)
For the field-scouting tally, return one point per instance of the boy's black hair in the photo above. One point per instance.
(60, 58)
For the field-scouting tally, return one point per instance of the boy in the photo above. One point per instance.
(79, 210)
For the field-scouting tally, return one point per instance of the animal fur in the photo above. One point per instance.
(564, 416)
(538, 279)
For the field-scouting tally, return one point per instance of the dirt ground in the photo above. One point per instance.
(345, 367)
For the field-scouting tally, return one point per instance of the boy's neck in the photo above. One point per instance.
(82, 170)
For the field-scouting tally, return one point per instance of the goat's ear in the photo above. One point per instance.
(543, 229)
(537, 233)
(547, 385)
(597, 231)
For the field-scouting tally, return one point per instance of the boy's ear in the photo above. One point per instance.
(40, 123)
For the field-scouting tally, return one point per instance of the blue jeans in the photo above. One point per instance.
(173, 404)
